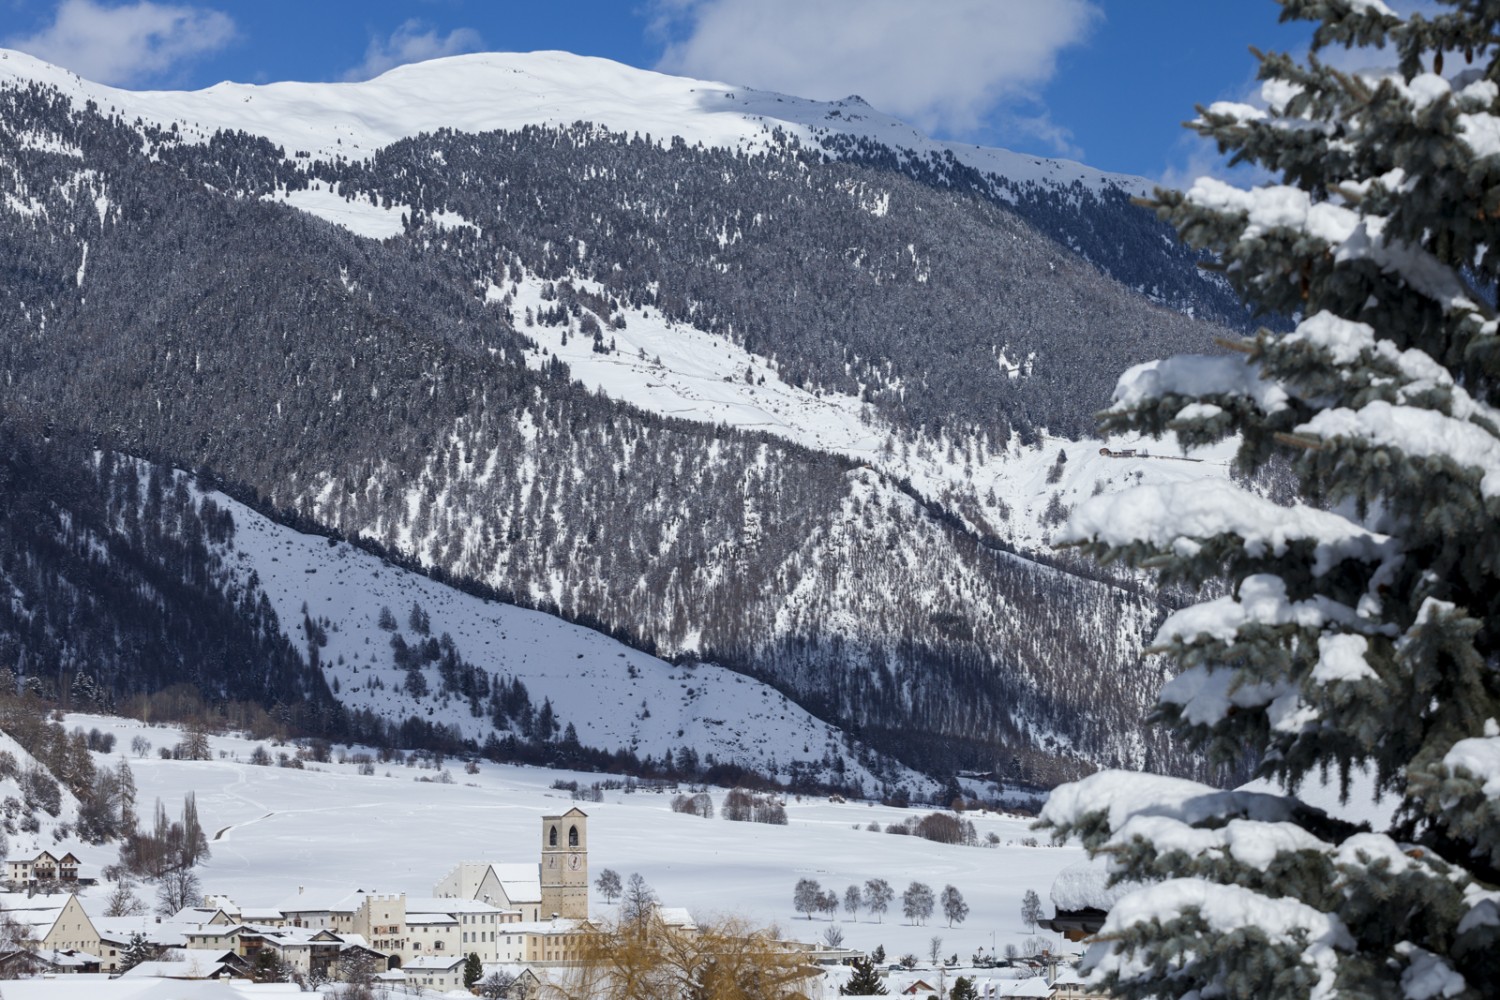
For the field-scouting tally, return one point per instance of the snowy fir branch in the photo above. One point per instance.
(1358, 642)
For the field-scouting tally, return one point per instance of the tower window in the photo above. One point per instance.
(552, 837)
(572, 836)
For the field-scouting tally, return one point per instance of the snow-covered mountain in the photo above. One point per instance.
(359, 607)
(787, 388)
(508, 90)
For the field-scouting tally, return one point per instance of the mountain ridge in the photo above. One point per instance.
(430, 392)
(551, 88)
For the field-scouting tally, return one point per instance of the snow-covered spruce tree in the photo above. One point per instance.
(1361, 629)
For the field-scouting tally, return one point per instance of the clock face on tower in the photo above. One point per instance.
(574, 862)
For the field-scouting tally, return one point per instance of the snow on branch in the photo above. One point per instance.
(1316, 937)
(1416, 431)
(1121, 795)
(1197, 375)
(1251, 844)
(1206, 696)
(1480, 756)
(1349, 235)
(1179, 517)
(1350, 345)
(1262, 599)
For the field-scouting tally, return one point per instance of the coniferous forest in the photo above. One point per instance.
(156, 307)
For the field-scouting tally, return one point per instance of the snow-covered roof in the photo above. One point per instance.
(192, 969)
(1069, 976)
(447, 905)
(1034, 987)
(262, 915)
(17, 902)
(121, 929)
(440, 962)
(675, 916)
(322, 901)
(562, 925)
(522, 882)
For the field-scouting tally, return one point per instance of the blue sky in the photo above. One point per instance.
(1104, 81)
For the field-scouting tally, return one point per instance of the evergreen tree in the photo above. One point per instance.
(865, 982)
(963, 989)
(136, 952)
(1360, 632)
(473, 970)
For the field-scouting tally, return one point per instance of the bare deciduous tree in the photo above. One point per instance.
(178, 890)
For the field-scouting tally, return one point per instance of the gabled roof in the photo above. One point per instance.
(16, 902)
(355, 941)
(72, 958)
(675, 916)
(119, 930)
(201, 915)
(522, 882)
(195, 969)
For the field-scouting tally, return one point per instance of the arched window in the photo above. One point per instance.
(572, 836)
(552, 837)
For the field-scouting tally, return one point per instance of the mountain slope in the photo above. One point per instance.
(173, 297)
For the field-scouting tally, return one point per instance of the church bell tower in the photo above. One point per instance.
(565, 865)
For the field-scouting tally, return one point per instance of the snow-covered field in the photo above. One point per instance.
(328, 827)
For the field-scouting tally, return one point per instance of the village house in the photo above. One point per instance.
(20, 964)
(436, 972)
(322, 953)
(212, 966)
(42, 867)
(69, 927)
(116, 933)
(323, 910)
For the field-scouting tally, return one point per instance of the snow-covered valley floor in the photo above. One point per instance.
(328, 827)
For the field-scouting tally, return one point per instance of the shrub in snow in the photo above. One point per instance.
(1362, 626)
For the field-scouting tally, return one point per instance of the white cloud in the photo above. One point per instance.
(127, 44)
(948, 66)
(410, 43)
